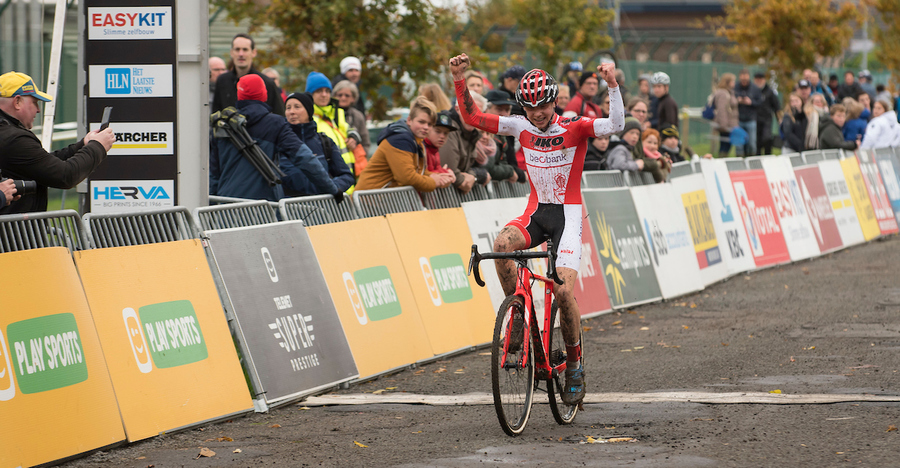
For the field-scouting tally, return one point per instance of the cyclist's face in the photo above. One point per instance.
(541, 116)
(420, 124)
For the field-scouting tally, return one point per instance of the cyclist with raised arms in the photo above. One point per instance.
(554, 155)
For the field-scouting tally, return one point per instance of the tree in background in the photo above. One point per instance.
(888, 36)
(556, 29)
(392, 38)
(787, 35)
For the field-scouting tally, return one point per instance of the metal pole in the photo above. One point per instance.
(59, 26)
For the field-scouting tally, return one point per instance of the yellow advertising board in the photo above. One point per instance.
(56, 399)
(435, 246)
(371, 293)
(168, 348)
(860, 196)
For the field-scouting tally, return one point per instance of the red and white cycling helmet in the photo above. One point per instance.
(536, 88)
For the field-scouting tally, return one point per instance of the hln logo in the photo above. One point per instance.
(118, 81)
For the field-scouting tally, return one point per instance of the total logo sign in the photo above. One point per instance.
(372, 294)
(130, 23)
(164, 335)
(446, 278)
(41, 354)
(120, 195)
(114, 81)
(760, 221)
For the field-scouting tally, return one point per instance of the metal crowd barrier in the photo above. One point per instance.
(602, 179)
(380, 202)
(889, 152)
(521, 189)
(234, 215)
(754, 162)
(833, 154)
(447, 197)
(478, 193)
(797, 160)
(812, 156)
(681, 168)
(735, 164)
(27, 231)
(316, 209)
(139, 228)
(504, 189)
(632, 178)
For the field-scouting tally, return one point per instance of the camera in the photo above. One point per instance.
(23, 187)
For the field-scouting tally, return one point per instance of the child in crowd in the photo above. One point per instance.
(648, 150)
(436, 138)
(595, 158)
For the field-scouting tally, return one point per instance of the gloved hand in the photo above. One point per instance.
(338, 197)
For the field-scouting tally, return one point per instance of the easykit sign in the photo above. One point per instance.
(889, 167)
(818, 206)
(669, 237)
(877, 194)
(289, 328)
(624, 252)
(434, 247)
(790, 208)
(167, 343)
(129, 23)
(54, 382)
(726, 218)
(371, 293)
(857, 186)
(112, 196)
(757, 209)
(141, 138)
(692, 195)
(841, 203)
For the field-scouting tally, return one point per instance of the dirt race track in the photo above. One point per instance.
(700, 381)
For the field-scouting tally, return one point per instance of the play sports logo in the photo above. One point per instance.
(446, 278)
(41, 354)
(164, 335)
(372, 294)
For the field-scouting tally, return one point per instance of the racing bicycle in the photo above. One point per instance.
(524, 354)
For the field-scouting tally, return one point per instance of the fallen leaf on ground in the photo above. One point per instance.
(617, 322)
(724, 344)
(786, 287)
(891, 428)
(484, 354)
(632, 312)
(391, 388)
(225, 439)
(140, 458)
(304, 407)
(638, 347)
(440, 370)
(587, 328)
(205, 452)
(775, 391)
(236, 451)
(378, 392)
(645, 328)
(360, 445)
(685, 327)
(693, 306)
(626, 350)
(275, 426)
(459, 371)
(422, 371)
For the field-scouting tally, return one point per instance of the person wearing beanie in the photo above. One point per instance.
(620, 153)
(243, 51)
(582, 105)
(351, 70)
(298, 110)
(233, 175)
(330, 118)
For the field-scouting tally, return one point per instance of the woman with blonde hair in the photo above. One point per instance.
(434, 93)
(855, 128)
(726, 106)
(793, 125)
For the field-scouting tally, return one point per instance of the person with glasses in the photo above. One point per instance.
(358, 142)
(638, 108)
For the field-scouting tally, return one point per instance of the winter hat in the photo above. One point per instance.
(305, 99)
(588, 74)
(669, 132)
(350, 63)
(515, 71)
(252, 88)
(631, 123)
(316, 81)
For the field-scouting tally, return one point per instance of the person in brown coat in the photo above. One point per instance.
(726, 106)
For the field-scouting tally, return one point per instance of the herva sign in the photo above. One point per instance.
(120, 195)
(45, 353)
(446, 278)
(372, 294)
(129, 23)
(165, 335)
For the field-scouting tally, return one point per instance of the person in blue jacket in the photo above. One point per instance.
(233, 175)
(299, 111)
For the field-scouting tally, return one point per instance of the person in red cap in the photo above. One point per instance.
(23, 157)
(233, 175)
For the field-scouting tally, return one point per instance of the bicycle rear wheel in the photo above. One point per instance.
(562, 413)
(512, 381)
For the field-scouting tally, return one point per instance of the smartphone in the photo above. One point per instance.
(104, 122)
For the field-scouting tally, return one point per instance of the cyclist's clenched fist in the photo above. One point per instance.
(458, 66)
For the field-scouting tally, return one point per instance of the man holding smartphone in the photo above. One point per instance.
(23, 157)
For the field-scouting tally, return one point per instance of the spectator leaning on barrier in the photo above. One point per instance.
(400, 158)
(620, 155)
(749, 99)
(581, 104)
(298, 110)
(23, 157)
(233, 175)
(216, 68)
(855, 127)
(499, 104)
(358, 134)
(815, 111)
(667, 109)
(793, 125)
(243, 51)
(654, 161)
(437, 137)
(883, 130)
(351, 70)
(670, 145)
(459, 151)
(769, 107)
(830, 136)
(726, 107)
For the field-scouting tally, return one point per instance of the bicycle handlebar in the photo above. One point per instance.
(476, 258)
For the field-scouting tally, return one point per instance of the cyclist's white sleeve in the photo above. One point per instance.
(616, 121)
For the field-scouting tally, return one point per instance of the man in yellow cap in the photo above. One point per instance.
(23, 157)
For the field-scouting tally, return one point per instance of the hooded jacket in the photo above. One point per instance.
(620, 156)
(399, 161)
(882, 131)
(23, 157)
(458, 153)
(232, 175)
(831, 137)
(296, 183)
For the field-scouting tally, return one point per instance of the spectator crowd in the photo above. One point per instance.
(321, 132)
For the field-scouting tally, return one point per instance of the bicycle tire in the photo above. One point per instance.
(562, 413)
(512, 385)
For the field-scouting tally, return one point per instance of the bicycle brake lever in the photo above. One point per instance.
(474, 260)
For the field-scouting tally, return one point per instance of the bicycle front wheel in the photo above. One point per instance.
(512, 376)
(562, 413)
